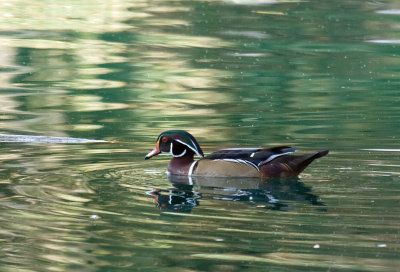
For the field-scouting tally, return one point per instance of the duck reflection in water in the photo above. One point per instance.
(273, 194)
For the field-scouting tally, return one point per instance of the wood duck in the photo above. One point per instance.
(232, 162)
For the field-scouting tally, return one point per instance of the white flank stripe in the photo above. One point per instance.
(190, 180)
(191, 168)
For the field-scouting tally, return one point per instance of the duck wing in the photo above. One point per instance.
(254, 156)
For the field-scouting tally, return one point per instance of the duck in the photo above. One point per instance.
(259, 162)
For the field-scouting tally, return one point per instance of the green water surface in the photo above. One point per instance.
(310, 74)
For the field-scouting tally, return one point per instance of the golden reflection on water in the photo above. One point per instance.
(48, 15)
(92, 103)
(165, 81)
(307, 260)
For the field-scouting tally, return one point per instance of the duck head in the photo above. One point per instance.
(178, 143)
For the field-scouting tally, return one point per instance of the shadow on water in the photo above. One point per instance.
(272, 194)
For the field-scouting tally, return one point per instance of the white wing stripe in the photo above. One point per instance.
(239, 161)
(272, 157)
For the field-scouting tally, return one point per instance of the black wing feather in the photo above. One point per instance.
(255, 156)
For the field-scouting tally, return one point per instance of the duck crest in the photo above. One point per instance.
(184, 138)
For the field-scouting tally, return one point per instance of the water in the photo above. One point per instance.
(314, 75)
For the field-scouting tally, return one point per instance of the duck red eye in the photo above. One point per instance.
(164, 139)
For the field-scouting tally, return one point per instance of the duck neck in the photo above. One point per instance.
(181, 165)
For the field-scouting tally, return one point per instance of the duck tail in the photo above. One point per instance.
(299, 163)
(290, 165)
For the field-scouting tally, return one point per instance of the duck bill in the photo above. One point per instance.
(154, 152)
